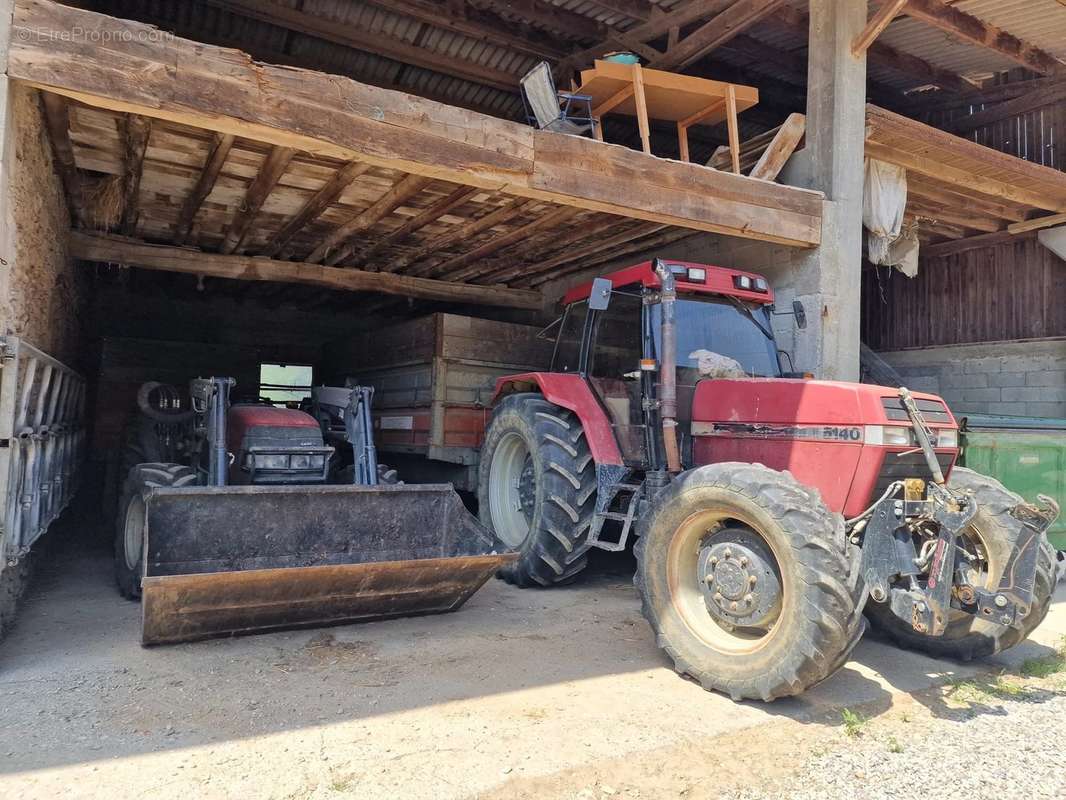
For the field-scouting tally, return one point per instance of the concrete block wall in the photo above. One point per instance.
(1026, 378)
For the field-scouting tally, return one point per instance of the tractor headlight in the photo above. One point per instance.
(947, 437)
(892, 435)
(271, 461)
(300, 462)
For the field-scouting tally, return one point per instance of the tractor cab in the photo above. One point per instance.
(611, 333)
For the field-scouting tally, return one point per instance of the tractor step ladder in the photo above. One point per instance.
(635, 491)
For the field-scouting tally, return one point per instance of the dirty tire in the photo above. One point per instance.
(13, 582)
(969, 637)
(554, 548)
(819, 622)
(129, 557)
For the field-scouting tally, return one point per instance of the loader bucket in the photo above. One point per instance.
(243, 559)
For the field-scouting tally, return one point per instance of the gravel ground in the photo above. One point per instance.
(998, 739)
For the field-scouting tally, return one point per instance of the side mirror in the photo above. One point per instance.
(600, 297)
(797, 311)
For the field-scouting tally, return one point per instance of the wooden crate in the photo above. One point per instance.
(433, 379)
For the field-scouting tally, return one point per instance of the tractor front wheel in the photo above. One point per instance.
(991, 536)
(537, 489)
(744, 577)
(132, 519)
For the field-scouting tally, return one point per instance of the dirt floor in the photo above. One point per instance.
(558, 693)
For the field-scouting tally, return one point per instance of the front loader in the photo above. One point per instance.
(242, 525)
(770, 510)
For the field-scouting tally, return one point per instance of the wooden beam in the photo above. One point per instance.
(982, 241)
(641, 104)
(259, 189)
(430, 214)
(733, 126)
(550, 16)
(132, 253)
(878, 22)
(316, 204)
(334, 246)
(135, 144)
(216, 157)
(536, 272)
(781, 148)
(361, 38)
(740, 16)
(461, 233)
(325, 115)
(968, 28)
(919, 186)
(634, 9)
(958, 217)
(1037, 224)
(57, 123)
(1045, 95)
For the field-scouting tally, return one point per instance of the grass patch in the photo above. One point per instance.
(894, 746)
(1046, 666)
(984, 691)
(853, 721)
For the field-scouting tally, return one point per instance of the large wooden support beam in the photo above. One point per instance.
(224, 91)
(138, 129)
(57, 123)
(969, 28)
(128, 252)
(216, 157)
(259, 189)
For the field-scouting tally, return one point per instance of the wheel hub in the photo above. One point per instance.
(739, 583)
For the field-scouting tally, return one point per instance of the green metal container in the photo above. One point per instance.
(1025, 454)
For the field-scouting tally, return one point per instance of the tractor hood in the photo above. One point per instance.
(764, 404)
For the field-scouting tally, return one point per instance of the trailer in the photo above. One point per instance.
(433, 380)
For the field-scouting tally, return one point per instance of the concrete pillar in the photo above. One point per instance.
(827, 279)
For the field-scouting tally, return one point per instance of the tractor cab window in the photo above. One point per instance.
(571, 333)
(285, 384)
(718, 326)
(614, 369)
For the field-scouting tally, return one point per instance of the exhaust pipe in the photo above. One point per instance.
(668, 367)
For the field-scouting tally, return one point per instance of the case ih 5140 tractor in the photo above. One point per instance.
(770, 510)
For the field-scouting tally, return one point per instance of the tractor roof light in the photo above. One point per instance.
(750, 284)
(696, 275)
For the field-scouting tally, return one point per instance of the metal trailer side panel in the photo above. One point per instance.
(42, 441)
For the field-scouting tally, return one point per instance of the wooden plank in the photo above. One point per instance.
(642, 107)
(224, 91)
(57, 123)
(781, 148)
(204, 184)
(432, 213)
(878, 22)
(259, 189)
(531, 273)
(970, 243)
(920, 186)
(682, 142)
(970, 29)
(1037, 224)
(733, 127)
(316, 204)
(1045, 95)
(117, 250)
(136, 133)
(740, 16)
(333, 245)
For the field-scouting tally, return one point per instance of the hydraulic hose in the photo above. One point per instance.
(668, 367)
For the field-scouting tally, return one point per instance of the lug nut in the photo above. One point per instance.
(748, 599)
(714, 560)
(752, 579)
(728, 553)
(733, 606)
(1001, 601)
(709, 579)
(718, 598)
(743, 561)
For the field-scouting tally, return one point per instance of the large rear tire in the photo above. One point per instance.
(130, 524)
(537, 489)
(968, 637)
(744, 577)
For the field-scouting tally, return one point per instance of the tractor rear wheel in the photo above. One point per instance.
(992, 534)
(744, 577)
(537, 489)
(132, 516)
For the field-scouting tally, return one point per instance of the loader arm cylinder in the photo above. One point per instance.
(668, 367)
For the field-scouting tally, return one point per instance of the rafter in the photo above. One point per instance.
(216, 157)
(431, 214)
(547, 15)
(316, 204)
(878, 22)
(137, 131)
(720, 29)
(57, 122)
(970, 29)
(259, 189)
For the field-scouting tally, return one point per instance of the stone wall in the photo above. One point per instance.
(1018, 378)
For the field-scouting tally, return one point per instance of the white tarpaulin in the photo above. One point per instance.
(884, 201)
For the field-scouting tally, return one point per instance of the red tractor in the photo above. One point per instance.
(770, 510)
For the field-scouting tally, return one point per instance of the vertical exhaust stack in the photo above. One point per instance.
(668, 370)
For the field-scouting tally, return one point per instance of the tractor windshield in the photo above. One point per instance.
(716, 325)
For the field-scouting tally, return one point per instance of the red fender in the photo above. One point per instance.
(569, 391)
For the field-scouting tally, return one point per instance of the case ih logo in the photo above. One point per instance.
(818, 433)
